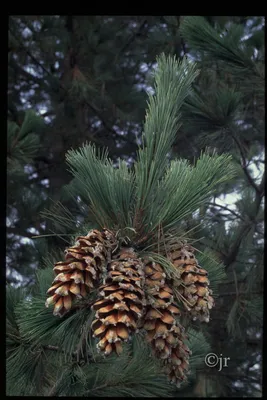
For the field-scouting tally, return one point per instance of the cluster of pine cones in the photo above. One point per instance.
(133, 293)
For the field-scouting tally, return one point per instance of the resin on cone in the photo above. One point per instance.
(80, 272)
(193, 283)
(164, 333)
(121, 302)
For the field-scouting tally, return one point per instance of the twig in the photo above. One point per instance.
(18, 232)
(231, 257)
(131, 38)
(244, 163)
(259, 189)
(27, 75)
(227, 209)
(28, 53)
(182, 39)
(108, 128)
(69, 27)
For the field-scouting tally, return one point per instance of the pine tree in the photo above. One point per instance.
(84, 75)
(22, 146)
(96, 93)
(126, 206)
(226, 112)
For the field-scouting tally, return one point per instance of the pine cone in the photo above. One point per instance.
(121, 302)
(80, 272)
(193, 283)
(164, 333)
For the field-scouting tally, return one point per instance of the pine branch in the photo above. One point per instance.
(26, 74)
(179, 20)
(98, 114)
(203, 37)
(132, 38)
(18, 231)
(259, 190)
(173, 83)
(227, 209)
(69, 27)
(22, 46)
(110, 190)
(244, 164)
(108, 127)
(233, 252)
(189, 187)
(247, 226)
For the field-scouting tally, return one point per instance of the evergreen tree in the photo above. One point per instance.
(88, 75)
(23, 145)
(133, 274)
(226, 112)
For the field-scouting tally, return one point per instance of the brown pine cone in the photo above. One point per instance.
(193, 283)
(121, 302)
(80, 272)
(164, 333)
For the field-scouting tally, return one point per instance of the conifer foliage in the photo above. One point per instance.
(137, 297)
(132, 291)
